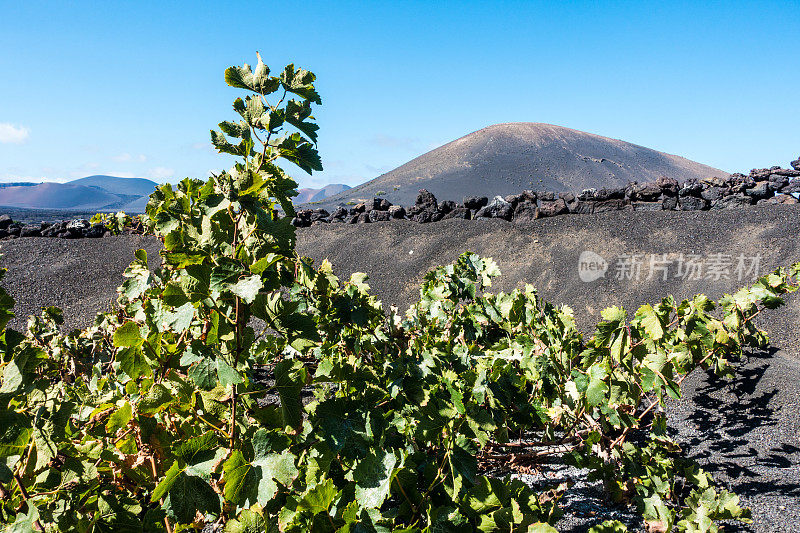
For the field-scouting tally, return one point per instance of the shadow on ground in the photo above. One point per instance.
(744, 431)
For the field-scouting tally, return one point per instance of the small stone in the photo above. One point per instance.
(475, 202)
(668, 186)
(646, 191)
(554, 208)
(447, 206)
(567, 196)
(732, 201)
(691, 188)
(397, 211)
(426, 200)
(692, 203)
(647, 206)
(423, 216)
(497, 208)
(31, 230)
(379, 216)
(669, 203)
(615, 204)
(761, 190)
(526, 212)
(319, 215)
(459, 212)
(580, 207)
(546, 196)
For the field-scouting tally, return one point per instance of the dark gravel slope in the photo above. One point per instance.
(545, 253)
(80, 276)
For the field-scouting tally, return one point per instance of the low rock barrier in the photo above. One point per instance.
(66, 229)
(774, 185)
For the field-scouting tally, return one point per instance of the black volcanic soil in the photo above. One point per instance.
(545, 253)
(746, 431)
(80, 276)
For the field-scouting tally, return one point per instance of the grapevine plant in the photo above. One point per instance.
(240, 388)
(119, 222)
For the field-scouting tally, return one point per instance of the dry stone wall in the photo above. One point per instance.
(774, 185)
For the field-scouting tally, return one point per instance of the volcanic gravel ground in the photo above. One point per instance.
(745, 431)
(80, 276)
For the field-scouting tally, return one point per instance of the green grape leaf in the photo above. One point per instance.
(181, 318)
(650, 322)
(156, 399)
(128, 335)
(133, 362)
(320, 498)
(274, 468)
(189, 494)
(204, 373)
(120, 418)
(15, 433)
(227, 374)
(290, 377)
(597, 389)
(241, 480)
(373, 477)
(247, 288)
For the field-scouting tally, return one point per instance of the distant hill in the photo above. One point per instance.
(115, 185)
(92, 193)
(58, 196)
(17, 184)
(136, 206)
(508, 158)
(316, 195)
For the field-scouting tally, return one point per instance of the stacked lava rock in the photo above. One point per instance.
(774, 185)
(67, 229)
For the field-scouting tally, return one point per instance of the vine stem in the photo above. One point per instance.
(655, 402)
(237, 335)
(678, 382)
(25, 496)
(161, 501)
(513, 457)
(403, 492)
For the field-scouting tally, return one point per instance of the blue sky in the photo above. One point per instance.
(132, 88)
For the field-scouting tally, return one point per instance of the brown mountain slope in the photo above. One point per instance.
(508, 158)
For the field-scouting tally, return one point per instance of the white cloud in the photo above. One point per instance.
(126, 157)
(161, 173)
(122, 174)
(10, 133)
(17, 178)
